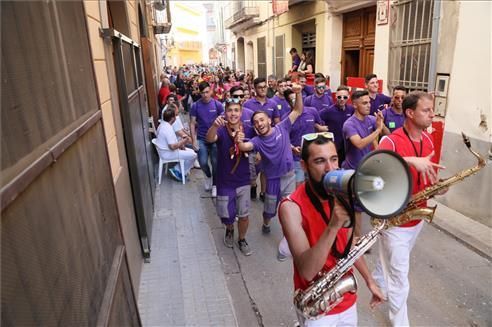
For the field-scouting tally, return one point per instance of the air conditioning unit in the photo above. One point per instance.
(162, 28)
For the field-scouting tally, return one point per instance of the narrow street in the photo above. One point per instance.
(450, 282)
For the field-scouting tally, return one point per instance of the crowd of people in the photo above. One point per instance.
(286, 135)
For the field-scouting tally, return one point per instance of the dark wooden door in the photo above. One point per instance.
(134, 118)
(359, 29)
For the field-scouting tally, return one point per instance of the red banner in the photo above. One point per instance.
(280, 6)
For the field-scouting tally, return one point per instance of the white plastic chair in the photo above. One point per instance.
(163, 161)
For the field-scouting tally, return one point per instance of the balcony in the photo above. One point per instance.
(244, 15)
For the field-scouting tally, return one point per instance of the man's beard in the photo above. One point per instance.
(318, 186)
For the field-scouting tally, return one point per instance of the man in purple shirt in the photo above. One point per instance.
(261, 102)
(282, 104)
(394, 116)
(335, 116)
(320, 99)
(204, 112)
(273, 143)
(233, 179)
(296, 60)
(379, 101)
(360, 134)
(237, 92)
(308, 122)
(307, 90)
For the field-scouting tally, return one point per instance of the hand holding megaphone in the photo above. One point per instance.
(381, 185)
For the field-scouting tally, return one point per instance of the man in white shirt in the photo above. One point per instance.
(170, 148)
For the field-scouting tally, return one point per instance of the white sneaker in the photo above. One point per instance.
(214, 191)
(208, 184)
(196, 164)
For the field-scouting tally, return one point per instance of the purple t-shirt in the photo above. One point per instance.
(392, 119)
(354, 126)
(270, 107)
(304, 124)
(246, 117)
(276, 154)
(319, 102)
(307, 91)
(334, 118)
(205, 114)
(282, 106)
(225, 164)
(296, 61)
(378, 102)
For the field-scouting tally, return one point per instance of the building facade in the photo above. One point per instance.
(420, 44)
(77, 163)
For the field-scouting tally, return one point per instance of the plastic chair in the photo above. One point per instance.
(163, 161)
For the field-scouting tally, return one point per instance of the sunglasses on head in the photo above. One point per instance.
(240, 96)
(313, 136)
(340, 97)
(233, 100)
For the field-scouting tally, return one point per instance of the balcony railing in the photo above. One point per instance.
(244, 14)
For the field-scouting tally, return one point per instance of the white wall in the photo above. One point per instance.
(469, 93)
(381, 53)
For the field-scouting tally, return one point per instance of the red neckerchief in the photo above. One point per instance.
(234, 150)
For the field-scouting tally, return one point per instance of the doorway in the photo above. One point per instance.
(359, 30)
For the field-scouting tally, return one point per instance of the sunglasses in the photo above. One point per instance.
(321, 87)
(340, 97)
(233, 100)
(313, 136)
(240, 96)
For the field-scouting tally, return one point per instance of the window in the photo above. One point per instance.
(410, 44)
(279, 55)
(261, 48)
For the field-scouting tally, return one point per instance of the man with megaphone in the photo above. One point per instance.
(314, 226)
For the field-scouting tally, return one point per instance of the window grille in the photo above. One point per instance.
(410, 44)
(308, 40)
(279, 55)
(261, 48)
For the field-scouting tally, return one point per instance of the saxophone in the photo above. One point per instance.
(414, 211)
(327, 289)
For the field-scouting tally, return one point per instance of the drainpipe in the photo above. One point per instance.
(436, 17)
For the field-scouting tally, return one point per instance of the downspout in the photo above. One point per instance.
(436, 17)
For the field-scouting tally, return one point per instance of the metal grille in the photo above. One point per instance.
(410, 44)
(308, 40)
(261, 57)
(279, 55)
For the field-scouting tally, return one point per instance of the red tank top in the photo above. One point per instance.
(314, 225)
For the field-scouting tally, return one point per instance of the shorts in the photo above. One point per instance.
(300, 175)
(232, 203)
(276, 189)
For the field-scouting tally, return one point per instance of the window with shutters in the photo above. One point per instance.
(279, 55)
(308, 40)
(410, 44)
(261, 48)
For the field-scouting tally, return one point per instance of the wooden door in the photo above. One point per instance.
(359, 29)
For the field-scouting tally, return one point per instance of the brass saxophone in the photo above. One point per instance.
(327, 289)
(413, 211)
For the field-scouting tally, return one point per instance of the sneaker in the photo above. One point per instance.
(265, 229)
(262, 196)
(244, 247)
(281, 257)
(214, 191)
(253, 192)
(229, 238)
(208, 184)
(175, 174)
(196, 164)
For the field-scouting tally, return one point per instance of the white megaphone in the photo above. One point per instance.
(381, 184)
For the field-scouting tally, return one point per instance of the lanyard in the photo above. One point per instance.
(415, 150)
